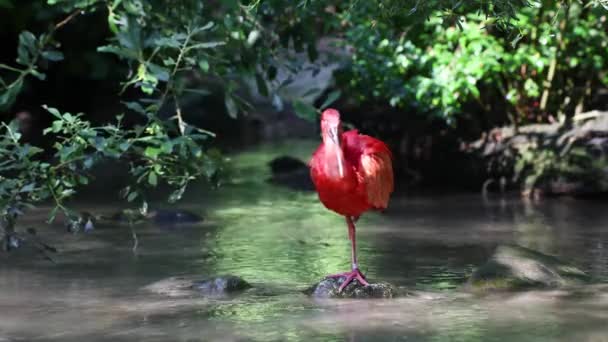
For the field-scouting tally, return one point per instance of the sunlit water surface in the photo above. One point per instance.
(282, 241)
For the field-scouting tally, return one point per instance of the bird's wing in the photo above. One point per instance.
(377, 172)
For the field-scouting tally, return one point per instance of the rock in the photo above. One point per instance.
(11, 242)
(290, 172)
(84, 222)
(191, 286)
(220, 285)
(328, 288)
(514, 267)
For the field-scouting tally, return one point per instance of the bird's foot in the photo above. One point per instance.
(350, 276)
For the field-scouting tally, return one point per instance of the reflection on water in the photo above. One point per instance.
(282, 241)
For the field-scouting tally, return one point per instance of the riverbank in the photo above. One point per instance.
(547, 159)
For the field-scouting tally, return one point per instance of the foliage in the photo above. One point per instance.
(30, 51)
(167, 50)
(549, 67)
(160, 45)
(154, 154)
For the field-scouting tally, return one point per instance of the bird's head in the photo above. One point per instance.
(330, 126)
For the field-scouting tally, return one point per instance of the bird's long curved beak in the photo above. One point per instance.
(335, 138)
(333, 135)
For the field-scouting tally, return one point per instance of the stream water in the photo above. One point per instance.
(282, 241)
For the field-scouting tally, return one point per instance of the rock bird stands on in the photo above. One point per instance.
(352, 173)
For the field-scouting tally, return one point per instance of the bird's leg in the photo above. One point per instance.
(354, 273)
(353, 242)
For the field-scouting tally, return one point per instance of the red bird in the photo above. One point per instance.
(352, 173)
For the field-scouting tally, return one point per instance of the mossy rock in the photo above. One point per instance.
(328, 288)
(513, 267)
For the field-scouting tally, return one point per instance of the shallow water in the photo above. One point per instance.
(283, 241)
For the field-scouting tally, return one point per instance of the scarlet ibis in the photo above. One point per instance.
(352, 173)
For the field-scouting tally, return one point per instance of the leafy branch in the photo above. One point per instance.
(30, 50)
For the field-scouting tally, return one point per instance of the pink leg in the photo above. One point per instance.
(355, 273)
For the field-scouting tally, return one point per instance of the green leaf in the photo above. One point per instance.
(119, 51)
(311, 91)
(83, 180)
(202, 92)
(27, 48)
(231, 106)
(305, 111)
(28, 188)
(253, 37)
(135, 106)
(177, 194)
(38, 74)
(53, 111)
(169, 61)
(67, 193)
(35, 150)
(152, 152)
(207, 45)
(65, 152)
(203, 65)
(169, 42)
(8, 97)
(152, 178)
(52, 215)
(53, 56)
(143, 210)
(56, 127)
(160, 73)
(167, 147)
(331, 98)
(88, 162)
(69, 118)
(132, 196)
(203, 28)
(124, 146)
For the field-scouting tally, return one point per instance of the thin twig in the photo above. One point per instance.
(34, 60)
(67, 19)
(182, 52)
(181, 124)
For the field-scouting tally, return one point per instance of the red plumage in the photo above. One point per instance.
(367, 180)
(352, 173)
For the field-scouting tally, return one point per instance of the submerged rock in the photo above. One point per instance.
(290, 172)
(220, 285)
(165, 217)
(190, 286)
(513, 267)
(83, 222)
(328, 288)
